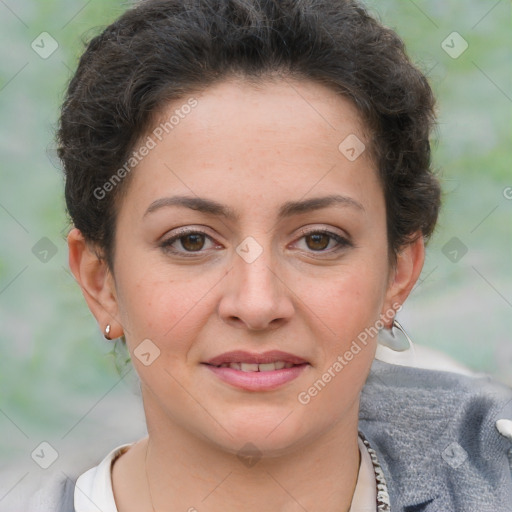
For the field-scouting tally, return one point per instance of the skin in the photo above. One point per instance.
(251, 149)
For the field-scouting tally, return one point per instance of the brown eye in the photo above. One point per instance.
(187, 243)
(324, 242)
(192, 241)
(317, 241)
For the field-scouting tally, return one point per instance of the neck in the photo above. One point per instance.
(187, 472)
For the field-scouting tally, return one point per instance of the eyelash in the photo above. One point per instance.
(343, 243)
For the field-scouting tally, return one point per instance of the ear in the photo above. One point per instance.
(96, 282)
(404, 275)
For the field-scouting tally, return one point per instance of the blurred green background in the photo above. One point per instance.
(61, 382)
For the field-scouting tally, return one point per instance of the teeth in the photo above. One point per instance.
(248, 367)
(268, 367)
(253, 367)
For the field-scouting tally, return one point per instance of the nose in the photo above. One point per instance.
(256, 296)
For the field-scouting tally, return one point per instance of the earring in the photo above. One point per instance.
(395, 338)
(106, 334)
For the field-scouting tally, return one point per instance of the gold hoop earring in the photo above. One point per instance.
(106, 333)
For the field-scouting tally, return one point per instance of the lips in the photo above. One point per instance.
(257, 372)
(271, 360)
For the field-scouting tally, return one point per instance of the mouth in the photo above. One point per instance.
(253, 362)
(255, 367)
(257, 372)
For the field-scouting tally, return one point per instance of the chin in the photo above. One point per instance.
(269, 434)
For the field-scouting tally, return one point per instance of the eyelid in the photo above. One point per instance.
(185, 230)
(323, 229)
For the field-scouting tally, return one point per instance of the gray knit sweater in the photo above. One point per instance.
(435, 436)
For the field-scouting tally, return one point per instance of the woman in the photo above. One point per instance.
(250, 187)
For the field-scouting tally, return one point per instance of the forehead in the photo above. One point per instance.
(280, 135)
(280, 106)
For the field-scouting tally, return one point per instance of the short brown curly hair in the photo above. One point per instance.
(162, 50)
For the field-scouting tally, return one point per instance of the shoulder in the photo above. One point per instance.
(51, 491)
(55, 489)
(421, 388)
(437, 436)
(57, 494)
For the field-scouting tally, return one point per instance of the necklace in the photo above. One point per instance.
(147, 478)
(383, 504)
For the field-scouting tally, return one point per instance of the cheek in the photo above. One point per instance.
(152, 304)
(168, 308)
(346, 311)
(352, 299)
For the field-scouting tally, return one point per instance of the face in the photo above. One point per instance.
(247, 228)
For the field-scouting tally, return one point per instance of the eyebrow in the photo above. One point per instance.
(288, 209)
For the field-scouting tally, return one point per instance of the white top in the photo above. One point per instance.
(93, 489)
